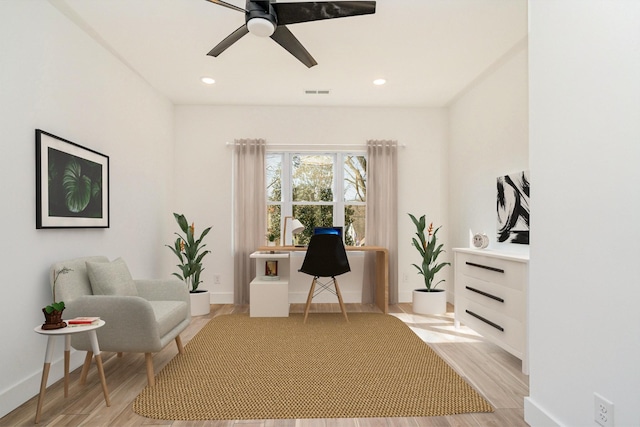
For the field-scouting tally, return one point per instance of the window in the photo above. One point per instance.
(318, 189)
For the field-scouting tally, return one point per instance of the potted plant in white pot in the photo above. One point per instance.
(272, 237)
(188, 250)
(428, 300)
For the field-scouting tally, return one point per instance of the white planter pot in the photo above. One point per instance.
(429, 302)
(200, 303)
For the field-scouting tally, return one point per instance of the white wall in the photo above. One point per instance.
(53, 77)
(488, 138)
(204, 179)
(585, 150)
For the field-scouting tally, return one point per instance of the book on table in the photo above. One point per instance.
(83, 321)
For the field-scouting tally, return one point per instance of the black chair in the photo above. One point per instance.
(326, 257)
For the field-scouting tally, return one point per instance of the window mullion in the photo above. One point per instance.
(338, 196)
(287, 195)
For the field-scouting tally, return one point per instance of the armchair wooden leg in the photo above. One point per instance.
(150, 377)
(85, 367)
(309, 298)
(179, 344)
(342, 307)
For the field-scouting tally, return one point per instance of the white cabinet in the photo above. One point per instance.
(491, 291)
(269, 290)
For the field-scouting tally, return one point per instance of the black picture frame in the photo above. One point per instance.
(513, 208)
(72, 184)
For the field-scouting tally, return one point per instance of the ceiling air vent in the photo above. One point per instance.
(317, 92)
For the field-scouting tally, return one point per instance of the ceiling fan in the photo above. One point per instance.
(266, 18)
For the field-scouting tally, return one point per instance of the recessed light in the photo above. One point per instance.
(379, 82)
(207, 80)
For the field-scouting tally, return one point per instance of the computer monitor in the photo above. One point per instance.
(328, 230)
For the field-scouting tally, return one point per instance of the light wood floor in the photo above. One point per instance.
(492, 371)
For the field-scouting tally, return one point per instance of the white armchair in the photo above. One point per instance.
(142, 316)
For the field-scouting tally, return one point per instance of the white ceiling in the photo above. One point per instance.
(428, 50)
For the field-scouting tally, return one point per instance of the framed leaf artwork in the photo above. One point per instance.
(72, 184)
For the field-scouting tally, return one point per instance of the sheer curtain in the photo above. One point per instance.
(382, 214)
(249, 213)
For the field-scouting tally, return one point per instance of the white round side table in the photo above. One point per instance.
(67, 332)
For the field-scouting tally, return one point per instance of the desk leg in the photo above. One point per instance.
(382, 281)
(96, 351)
(45, 374)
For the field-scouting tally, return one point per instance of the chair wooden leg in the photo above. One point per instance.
(309, 298)
(342, 307)
(85, 367)
(179, 344)
(119, 354)
(150, 377)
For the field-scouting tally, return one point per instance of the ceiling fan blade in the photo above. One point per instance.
(293, 13)
(228, 5)
(228, 41)
(287, 40)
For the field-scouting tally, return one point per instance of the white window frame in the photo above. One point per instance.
(286, 204)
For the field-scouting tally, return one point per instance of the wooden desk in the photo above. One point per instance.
(381, 292)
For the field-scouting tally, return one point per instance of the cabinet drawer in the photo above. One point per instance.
(489, 269)
(503, 299)
(503, 330)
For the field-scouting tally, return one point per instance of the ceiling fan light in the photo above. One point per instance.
(260, 27)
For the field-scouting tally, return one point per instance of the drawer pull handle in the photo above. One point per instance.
(486, 267)
(488, 322)
(485, 294)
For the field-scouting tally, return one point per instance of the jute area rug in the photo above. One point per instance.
(238, 367)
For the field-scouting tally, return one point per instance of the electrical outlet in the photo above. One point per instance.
(405, 277)
(216, 279)
(603, 411)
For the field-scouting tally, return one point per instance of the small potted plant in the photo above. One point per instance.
(428, 300)
(53, 311)
(189, 251)
(271, 236)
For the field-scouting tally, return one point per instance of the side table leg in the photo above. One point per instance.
(43, 388)
(45, 375)
(96, 351)
(67, 353)
(85, 367)
(103, 380)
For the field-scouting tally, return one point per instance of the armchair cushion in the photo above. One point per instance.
(111, 278)
(169, 314)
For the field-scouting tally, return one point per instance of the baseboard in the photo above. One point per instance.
(19, 393)
(221, 297)
(536, 416)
